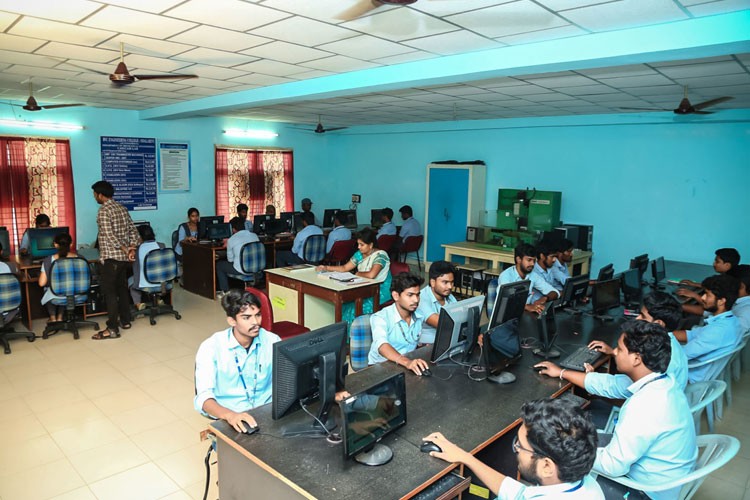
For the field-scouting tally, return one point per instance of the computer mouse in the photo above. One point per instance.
(538, 368)
(426, 372)
(251, 430)
(428, 446)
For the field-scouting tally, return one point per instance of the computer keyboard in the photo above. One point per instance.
(577, 358)
(440, 487)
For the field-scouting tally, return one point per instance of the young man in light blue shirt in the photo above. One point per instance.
(297, 255)
(240, 236)
(306, 205)
(545, 259)
(411, 226)
(40, 221)
(339, 232)
(396, 329)
(721, 332)
(525, 257)
(741, 307)
(654, 439)
(555, 449)
(559, 271)
(388, 228)
(242, 214)
(433, 297)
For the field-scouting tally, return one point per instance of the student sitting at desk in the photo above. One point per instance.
(411, 226)
(307, 209)
(297, 256)
(725, 262)
(555, 449)
(654, 438)
(433, 297)
(240, 236)
(559, 272)
(339, 232)
(396, 329)
(388, 228)
(270, 210)
(138, 280)
(62, 242)
(545, 261)
(242, 214)
(41, 220)
(525, 257)
(741, 307)
(188, 231)
(721, 333)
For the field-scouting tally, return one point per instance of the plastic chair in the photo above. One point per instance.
(386, 242)
(700, 396)
(252, 263)
(70, 278)
(284, 329)
(10, 306)
(412, 244)
(360, 341)
(398, 268)
(717, 366)
(718, 449)
(159, 266)
(732, 370)
(341, 252)
(315, 249)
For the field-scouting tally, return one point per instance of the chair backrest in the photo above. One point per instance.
(315, 248)
(412, 244)
(398, 268)
(160, 265)
(386, 241)
(360, 341)
(266, 311)
(253, 257)
(175, 236)
(343, 250)
(492, 287)
(702, 394)
(10, 292)
(717, 363)
(70, 276)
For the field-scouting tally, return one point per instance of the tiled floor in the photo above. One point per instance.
(114, 419)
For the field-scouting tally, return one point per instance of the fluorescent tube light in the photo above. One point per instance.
(41, 125)
(254, 134)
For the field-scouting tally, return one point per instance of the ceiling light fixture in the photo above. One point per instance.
(254, 134)
(41, 125)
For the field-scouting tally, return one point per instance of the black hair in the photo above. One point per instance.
(103, 188)
(388, 212)
(42, 219)
(242, 206)
(723, 286)
(337, 216)
(561, 431)
(63, 240)
(368, 236)
(565, 245)
(237, 224)
(406, 209)
(729, 255)
(440, 268)
(663, 306)
(403, 281)
(650, 341)
(308, 218)
(545, 248)
(146, 232)
(742, 273)
(193, 209)
(235, 301)
(524, 250)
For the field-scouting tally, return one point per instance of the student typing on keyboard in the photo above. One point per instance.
(725, 262)
(555, 449)
(540, 291)
(654, 439)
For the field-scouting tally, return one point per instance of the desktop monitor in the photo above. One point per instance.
(457, 328)
(376, 217)
(309, 367)
(42, 240)
(139, 223)
(575, 289)
(658, 270)
(546, 327)
(207, 220)
(5, 242)
(370, 415)
(262, 223)
(287, 220)
(605, 296)
(606, 273)
(348, 218)
(219, 232)
(641, 263)
(631, 287)
(501, 342)
(328, 217)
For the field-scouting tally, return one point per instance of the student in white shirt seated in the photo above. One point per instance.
(741, 307)
(388, 228)
(411, 226)
(339, 232)
(540, 291)
(555, 449)
(436, 295)
(546, 258)
(233, 265)
(559, 273)
(40, 221)
(297, 254)
(138, 280)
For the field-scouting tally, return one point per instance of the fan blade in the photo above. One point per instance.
(712, 102)
(697, 112)
(646, 109)
(54, 106)
(359, 9)
(334, 128)
(163, 77)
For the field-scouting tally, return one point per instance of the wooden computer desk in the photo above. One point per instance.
(301, 296)
(496, 256)
(477, 416)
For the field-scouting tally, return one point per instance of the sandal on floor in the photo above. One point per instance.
(106, 334)
(126, 326)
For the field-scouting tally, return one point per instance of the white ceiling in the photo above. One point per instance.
(236, 45)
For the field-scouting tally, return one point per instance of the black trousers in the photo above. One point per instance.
(287, 258)
(114, 286)
(617, 491)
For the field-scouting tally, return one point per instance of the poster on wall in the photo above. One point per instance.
(174, 166)
(129, 164)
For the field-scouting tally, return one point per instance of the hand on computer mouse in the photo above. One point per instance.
(426, 372)
(240, 421)
(417, 365)
(548, 368)
(428, 446)
(449, 451)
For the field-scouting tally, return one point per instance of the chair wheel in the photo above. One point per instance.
(96, 326)
(177, 316)
(31, 339)
(152, 321)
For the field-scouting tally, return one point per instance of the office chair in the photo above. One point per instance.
(341, 252)
(70, 279)
(386, 242)
(718, 449)
(700, 396)
(284, 329)
(360, 341)
(10, 306)
(412, 244)
(398, 268)
(252, 263)
(159, 266)
(315, 249)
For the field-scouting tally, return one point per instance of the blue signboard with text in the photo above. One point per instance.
(129, 164)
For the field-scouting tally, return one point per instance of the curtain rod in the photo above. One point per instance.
(251, 148)
(21, 136)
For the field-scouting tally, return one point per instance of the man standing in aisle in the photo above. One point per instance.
(118, 239)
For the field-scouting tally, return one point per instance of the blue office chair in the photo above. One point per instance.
(69, 279)
(315, 249)
(159, 266)
(252, 263)
(360, 341)
(10, 306)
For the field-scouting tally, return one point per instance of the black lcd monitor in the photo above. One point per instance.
(208, 220)
(218, 232)
(262, 223)
(501, 342)
(632, 292)
(605, 296)
(546, 327)
(606, 273)
(5, 242)
(658, 270)
(42, 240)
(348, 218)
(369, 416)
(376, 217)
(641, 263)
(139, 223)
(574, 291)
(328, 217)
(306, 368)
(287, 220)
(457, 328)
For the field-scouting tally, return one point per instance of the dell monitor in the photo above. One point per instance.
(218, 232)
(262, 223)
(370, 415)
(605, 296)
(309, 367)
(206, 221)
(546, 327)
(42, 240)
(328, 217)
(631, 288)
(376, 217)
(641, 263)
(457, 328)
(658, 270)
(606, 273)
(574, 290)
(348, 218)
(287, 219)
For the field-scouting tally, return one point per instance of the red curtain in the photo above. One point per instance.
(66, 205)
(222, 184)
(14, 190)
(289, 181)
(256, 196)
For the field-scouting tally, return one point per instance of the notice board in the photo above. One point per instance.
(174, 166)
(129, 164)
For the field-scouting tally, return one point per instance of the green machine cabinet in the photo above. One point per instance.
(530, 209)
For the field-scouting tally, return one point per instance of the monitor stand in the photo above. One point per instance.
(308, 429)
(502, 378)
(546, 353)
(380, 454)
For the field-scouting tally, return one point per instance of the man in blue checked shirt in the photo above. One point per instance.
(297, 255)
(433, 297)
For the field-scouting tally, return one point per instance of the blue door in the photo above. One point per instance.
(449, 193)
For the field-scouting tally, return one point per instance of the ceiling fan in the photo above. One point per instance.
(320, 129)
(362, 7)
(33, 105)
(685, 108)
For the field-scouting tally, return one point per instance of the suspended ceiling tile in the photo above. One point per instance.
(260, 80)
(19, 69)
(715, 81)
(230, 14)
(636, 81)
(211, 84)
(699, 70)
(365, 47)
(417, 55)
(720, 7)
(69, 51)
(401, 24)
(8, 56)
(6, 19)
(19, 43)
(59, 32)
(134, 22)
(270, 68)
(542, 35)
(315, 73)
(561, 81)
(303, 31)
(562, 5)
(692, 61)
(508, 19)
(448, 7)
(286, 52)
(453, 43)
(217, 38)
(625, 14)
(153, 64)
(215, 72)
(657, 90)
(330, 11)
(339, 64)
(70, 11)
(214, 57)
(146, 46)
(589, 90)
(154, 6)
(618, 71)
